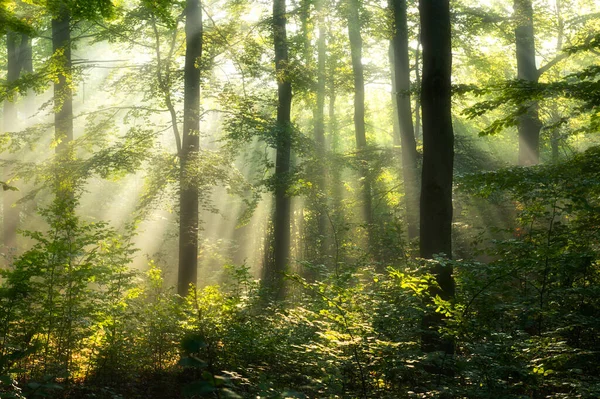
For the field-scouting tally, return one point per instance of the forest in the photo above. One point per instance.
(300, 199)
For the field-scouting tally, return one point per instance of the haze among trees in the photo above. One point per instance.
(300, 199)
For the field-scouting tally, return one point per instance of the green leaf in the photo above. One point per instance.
(198, 388)
(5, 380)
(228, 393)
(293, 394)
(192, 362)
(192, 344)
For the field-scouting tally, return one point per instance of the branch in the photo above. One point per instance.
(122, 36)
(88, 61)
(119, 108)
(558, 58)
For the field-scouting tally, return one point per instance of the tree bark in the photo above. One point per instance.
(356, 46)
(529, 124)
(26, 65)
(438, 157)
(418, 84)
(190, 143)
(336, 173)
(25, 54)
(63, 104)
(403, 111)
(319, 129)
(281, 219)
(10, 214)
(395, 125)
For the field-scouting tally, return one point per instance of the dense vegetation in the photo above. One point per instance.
(303, 199)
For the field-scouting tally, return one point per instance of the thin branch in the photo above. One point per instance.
(130, 107)
(87, 61)
(558, 58)
(122, 36)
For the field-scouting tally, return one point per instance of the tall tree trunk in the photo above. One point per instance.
(356, 46)
(10, 214)
(403, 111)
(418, 84)
(63, 104)
(26, 65)
(319, 129)
(554, 143)
(395, 125)
(188, 184)
(438, 157)
(25, 54)
(556, 132)
(529, 123)
(315, 249)
(555, 136)
(336, 173)
(281, 219)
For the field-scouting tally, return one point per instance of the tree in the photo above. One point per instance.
(418, 84)
(403, 112)
(188, 189)
(319, 123)
(333, 129)
(281, 217)
(64, 15)
(438, 158)
(315, 98)
(18, 59)
(153, 28)
(529, 124)
(356, 47)
(63, 98)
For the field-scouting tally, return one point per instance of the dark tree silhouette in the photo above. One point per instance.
(529, 124)
(18, 59)
(188, 189)
(281, 218)
(438, 158)
(403, 112)
(356, 48)
(63, 101)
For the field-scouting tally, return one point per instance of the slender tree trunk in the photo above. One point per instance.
(555, 142)
(281, 220)
(10, 214)
(18, 59)
(418, 84)
(403, 112)
(529, 123)
(63, 104)
(356, 46)
(315, 249)
(188, 189)
(395, 125)
(336, 175)
(555, 138)
(304, 14)
(319, 129)
(556, 132)
(26, 65)
(438, 157)
(25, 54)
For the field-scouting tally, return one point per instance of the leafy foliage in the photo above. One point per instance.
(78, 322)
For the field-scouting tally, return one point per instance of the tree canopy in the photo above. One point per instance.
(300, 199)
